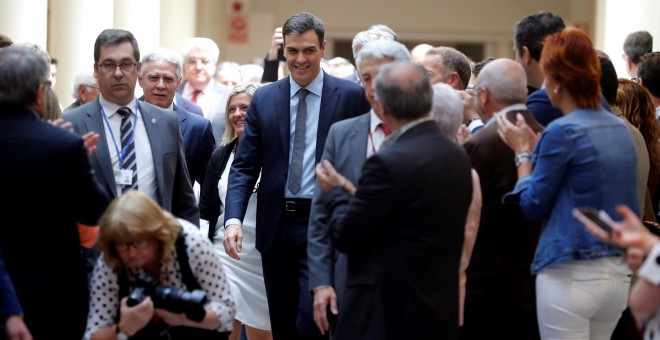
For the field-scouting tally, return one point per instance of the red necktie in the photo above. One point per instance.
(194, 96)
(386, 131)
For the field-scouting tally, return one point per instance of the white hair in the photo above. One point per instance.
(83, 78)
(447, 109)
(204, 44)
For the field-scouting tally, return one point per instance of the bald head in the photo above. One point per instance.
(419, 52)
(505, 81)
(404, 89)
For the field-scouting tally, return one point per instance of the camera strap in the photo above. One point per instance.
(187, 275)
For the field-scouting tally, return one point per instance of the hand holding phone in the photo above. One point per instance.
(597, 222)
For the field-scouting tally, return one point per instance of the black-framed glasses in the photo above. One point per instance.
(137, 244)
(111, 67)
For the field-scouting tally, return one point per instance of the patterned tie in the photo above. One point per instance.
(386, 131)
(194, 96)
(295, 168)
(130, 161)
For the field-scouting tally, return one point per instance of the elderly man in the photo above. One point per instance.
(403, 229)
(500, 297)
(200, 59)
(159, 78)
(85, 89)
(40, 243)
(349, 143)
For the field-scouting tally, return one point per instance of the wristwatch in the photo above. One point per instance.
(522, 157)
(119, 334)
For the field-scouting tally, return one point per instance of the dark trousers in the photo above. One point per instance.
(286, 276)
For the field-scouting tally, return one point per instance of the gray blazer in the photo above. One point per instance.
(173, 188)
(346, 149)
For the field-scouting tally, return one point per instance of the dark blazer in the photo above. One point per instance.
(403, 235)
(265, 143)
(198, 142)
(188, 105)
(9, 304)
(210, 205)
(218, 107)
(539, 103)
(346, 149)
(48, 185)
(174, 191)
(500, 293)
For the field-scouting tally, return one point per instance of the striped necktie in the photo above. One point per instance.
(129, 161)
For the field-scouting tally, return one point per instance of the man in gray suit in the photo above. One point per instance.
(140, 146)
(199, 64)
(349, 144)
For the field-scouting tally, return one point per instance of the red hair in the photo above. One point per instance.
(569, 58)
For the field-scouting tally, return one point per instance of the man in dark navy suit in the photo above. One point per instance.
(48, 186)
(159, 78)
(285, 149)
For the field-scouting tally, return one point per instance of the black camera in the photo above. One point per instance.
(172, 299)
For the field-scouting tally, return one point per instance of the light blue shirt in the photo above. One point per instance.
(313, 101)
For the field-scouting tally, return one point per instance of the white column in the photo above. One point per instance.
(25, 20)
(616, 19)
(177, 23)
(142, 18)
(73, 28)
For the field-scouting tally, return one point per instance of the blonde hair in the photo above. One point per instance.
(135, 215)
(248, 88)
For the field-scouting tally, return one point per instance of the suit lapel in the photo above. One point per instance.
(95, 122)
(150, 120)
(357, 142)
(183, 123)
(329, 98)
(283, 107)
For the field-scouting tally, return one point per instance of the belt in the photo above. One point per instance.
(296, 205)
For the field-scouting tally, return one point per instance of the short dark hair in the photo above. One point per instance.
(531, 30)
(609, 81)
(408, 98)
(21, 73)
(53, 61)
(302, 22)
(649, 71)
(637, 44)
(114, 36)
(477, 67)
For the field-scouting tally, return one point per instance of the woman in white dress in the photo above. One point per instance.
(243, 269)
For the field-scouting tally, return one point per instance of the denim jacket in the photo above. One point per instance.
(584, 159)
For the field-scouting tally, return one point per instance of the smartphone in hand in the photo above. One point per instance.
(599, 218)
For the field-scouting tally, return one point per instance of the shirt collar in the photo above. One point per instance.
(514, 107)
(394, 136)
(111, 108)
(315, 87)
(373, 121)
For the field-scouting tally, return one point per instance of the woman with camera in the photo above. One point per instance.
(140, 240)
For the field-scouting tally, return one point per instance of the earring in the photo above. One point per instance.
(555, 91)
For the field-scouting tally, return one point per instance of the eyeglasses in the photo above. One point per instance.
(636, 79)
(138, 244)
(111, 67)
